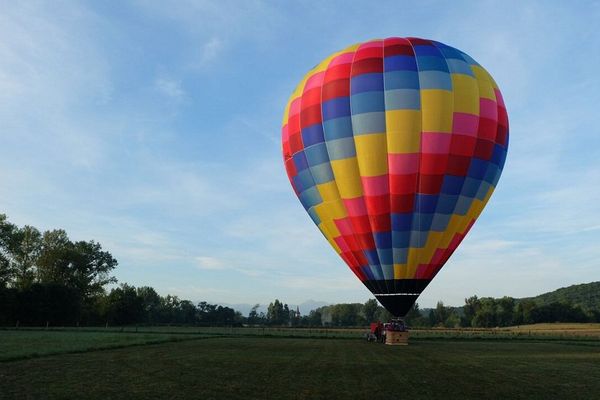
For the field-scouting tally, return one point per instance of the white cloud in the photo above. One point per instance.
(170, 87)
(211, 263)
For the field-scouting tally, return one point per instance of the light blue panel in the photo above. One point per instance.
(337, 128)
(462, 205)
(314, 216)
(341, 148)
(483, 189)
(310, 197)
(457, 66)
(322, 173)
(400, 255)
(435, 80)
(401, 80)
(367, 102)
(418, 239)
(402, 99)
(440, 222)
(316, 154)
(368, 123)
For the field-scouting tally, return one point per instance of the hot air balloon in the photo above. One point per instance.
(394, 147)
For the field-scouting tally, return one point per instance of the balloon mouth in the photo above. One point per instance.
(397, 304)
(401, 294)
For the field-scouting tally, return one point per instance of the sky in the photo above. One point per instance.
(154, 128)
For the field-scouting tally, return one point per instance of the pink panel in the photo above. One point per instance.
(435, 143)
(376, 185)
(403, 164)
(355, 207)
(465, 124)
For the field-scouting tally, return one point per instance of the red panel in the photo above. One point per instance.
(433, 164)
(311, 115)
(430, 184)
(296, 144)
(381, 222)
(418, 41)
(402, 203)
(484, 149)
(368, 66)
(334, 89)
(290, 167)
(487, 129)
(378, 204)
(398, 50)
(311, 97)
(361, 224)
(458, 165)
(365, 241)
(403, 184)
(335, 72)
(371, 51)
(462, 145)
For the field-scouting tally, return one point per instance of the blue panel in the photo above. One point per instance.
(399, 63)
(446, 203)
(468, 58)
(376, 272)
(402, 99)
(314, 216)
(440, 222)
(383, 240)
(368, 123)
(338, 128)
(482, 191)
(310, 197)
(372, 257)
(400, 255)
(388, 269)
(452, 184)
(304, 180)
(367, 102)
(401, 239)
(462, 205)
(341, 148)
(425, 203)
(470, 187)
(312, 134)
(316, 154)
(300, 161)
(477, 168)
(418, 239)
(366, 83)
(322, 173)
(335, 108)
(401, 80)
(401, 221)
(459, 67)
(435, 80)
(426, 50)
(490, 173)
(422, 222)
(498, 154)
(429, 63)
(448, 52)
(368, 271)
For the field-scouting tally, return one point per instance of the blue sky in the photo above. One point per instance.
(154, 128)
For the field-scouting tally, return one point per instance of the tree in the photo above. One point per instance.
(486, 316)
(25, 254)
(370, 309)
(91, 268)
(57, 253)
(8, 246)
(150, 304)
(124, 306)
(505, 311)
(472, 305)
(275, 313)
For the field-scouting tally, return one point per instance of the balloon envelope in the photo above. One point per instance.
(394, 147)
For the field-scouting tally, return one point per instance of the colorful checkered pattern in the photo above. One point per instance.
(394, 147)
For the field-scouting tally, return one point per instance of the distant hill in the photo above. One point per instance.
(586, 295)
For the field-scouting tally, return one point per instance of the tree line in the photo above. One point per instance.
(48, 279)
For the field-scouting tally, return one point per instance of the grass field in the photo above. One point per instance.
(211, 365)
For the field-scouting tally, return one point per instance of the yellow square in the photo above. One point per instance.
(436, 109)
(347, 177)
(328, 191)
(371, 153)
(466, 94)
(403, 131)
(486, 89)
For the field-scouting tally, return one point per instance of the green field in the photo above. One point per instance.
(221, 364)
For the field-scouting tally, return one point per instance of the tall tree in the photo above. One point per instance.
(91, 268)
(369, 309)
(25, 255)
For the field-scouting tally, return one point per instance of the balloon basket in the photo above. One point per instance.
(396, 338)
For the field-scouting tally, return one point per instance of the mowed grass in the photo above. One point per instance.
(19, 344)
(309, 368)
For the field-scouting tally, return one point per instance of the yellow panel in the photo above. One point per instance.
(328, 191)
(466, 94)
(436, 110)
(371, 152)
(347, 177)
(486, 89)
(400, 271)
(403, 131)
(330, 228)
